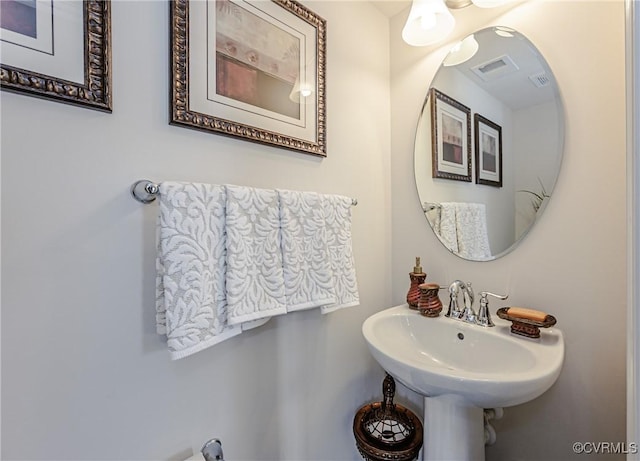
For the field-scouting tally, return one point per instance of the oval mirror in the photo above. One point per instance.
(489, 144)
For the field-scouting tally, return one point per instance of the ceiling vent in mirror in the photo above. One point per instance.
(540, 79)
(495, 68)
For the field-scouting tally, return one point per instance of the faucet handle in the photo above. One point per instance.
(453, 310)
(212, 450)
(484, 316)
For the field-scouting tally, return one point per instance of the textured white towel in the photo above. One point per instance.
(190, 280)
(308, 278)
(338, 225)
(255, 280)
(471, 229)
(446, 226)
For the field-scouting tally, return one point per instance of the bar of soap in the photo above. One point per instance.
(524, 313)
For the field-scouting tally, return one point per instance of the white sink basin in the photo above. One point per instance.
(489, 367)
(461, 369)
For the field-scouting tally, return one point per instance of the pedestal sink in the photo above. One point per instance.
(460, 369)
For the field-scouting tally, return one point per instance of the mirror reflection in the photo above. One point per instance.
(489, 143)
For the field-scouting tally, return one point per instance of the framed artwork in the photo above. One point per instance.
(57, 49)
(488, 151)
(450, 138)
(251, 69)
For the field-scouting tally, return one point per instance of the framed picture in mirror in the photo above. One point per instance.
(488, 151)
(77, 70)
(450, 137)
(250, 69)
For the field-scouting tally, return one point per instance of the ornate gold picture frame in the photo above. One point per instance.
(77, 70)
(250, 69)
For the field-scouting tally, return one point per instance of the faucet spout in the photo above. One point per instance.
(454, 310)
(468, 315)
(467, 296)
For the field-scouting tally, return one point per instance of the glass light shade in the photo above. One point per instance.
(489, 3)
(429, 22)
(461, 52)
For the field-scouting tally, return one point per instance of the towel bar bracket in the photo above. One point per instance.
(145, 191)
(427, 206)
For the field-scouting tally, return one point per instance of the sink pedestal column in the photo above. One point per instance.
(453, 429)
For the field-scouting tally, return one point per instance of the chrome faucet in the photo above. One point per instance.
(467, 314)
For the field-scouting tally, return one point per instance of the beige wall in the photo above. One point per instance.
(84, 376)
(573, 262)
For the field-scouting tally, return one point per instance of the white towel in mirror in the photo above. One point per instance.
(471, 229)
(462, 228)
(446, 227)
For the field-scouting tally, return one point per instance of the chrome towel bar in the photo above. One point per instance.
(146, 191)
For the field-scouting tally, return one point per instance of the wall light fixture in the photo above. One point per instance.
(431, 21)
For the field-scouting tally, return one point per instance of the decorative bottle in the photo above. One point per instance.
(417, 278)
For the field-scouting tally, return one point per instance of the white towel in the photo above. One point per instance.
(255, 280)
(308, 279)
(190, 282)
(446, 225)
(338, 224)
(471, 229)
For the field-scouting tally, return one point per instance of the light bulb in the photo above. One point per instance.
(427, 21)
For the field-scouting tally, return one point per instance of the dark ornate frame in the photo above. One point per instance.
(479, 119)
(437, 97)
(95, 93)
(181, 114)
